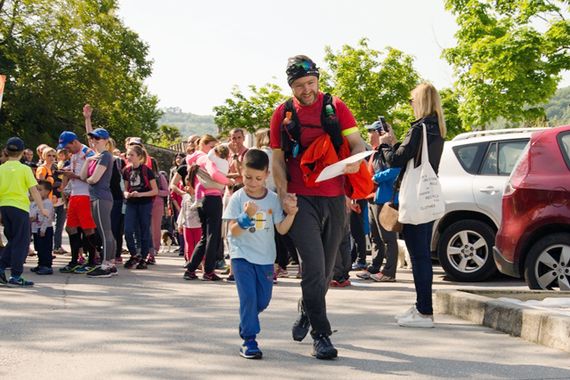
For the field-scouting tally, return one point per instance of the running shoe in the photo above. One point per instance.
(114, 271)
(190, 275)
(44, 271)
(151, 260)
(69, 268)
(14, 282)
(142, 265)
(323, 348)
(99, 272)
(132, 262)
(84, 269)
(212, 276)
(250, 350)
(301, 326)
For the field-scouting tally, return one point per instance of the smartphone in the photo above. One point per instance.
(384, 124)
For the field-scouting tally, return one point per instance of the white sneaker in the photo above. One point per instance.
(405, 313)
(416, 319)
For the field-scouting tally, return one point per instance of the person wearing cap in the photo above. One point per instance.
(97, 172)
(16, 181)
(318, 228)
(80, 225)
(384, 243)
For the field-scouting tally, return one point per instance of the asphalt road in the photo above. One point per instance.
(154, 325)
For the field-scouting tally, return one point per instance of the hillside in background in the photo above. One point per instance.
(558, 109)
(188, 123)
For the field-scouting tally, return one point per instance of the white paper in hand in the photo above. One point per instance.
(337, 169)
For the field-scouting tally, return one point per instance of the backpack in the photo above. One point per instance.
(291, 133)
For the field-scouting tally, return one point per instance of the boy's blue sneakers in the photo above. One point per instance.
(19, 282)
(250, 350)
(44, 271)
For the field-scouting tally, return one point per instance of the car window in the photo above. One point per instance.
(509, 153)
(564, 140)
(469, 156)
(489, 166)
(501, 157)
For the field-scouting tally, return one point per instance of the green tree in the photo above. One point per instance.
(505, 64)
(166, 136)
(60, 54)
(372, 83)
(250, 113)
(450, 105)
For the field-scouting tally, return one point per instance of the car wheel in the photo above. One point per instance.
(465, 251)
(547, 265)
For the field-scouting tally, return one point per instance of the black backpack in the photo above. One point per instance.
(291, 133)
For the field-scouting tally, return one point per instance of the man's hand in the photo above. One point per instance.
(290, 204)
(250, 208)
(87, 111)
(352, 168)
(388, 138)
(42, 234)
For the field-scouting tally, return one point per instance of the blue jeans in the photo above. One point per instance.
(44, 247)
(17, 231)
(254, 285)
(418, 241)
(137, 217)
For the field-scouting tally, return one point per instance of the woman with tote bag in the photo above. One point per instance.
(420, 194)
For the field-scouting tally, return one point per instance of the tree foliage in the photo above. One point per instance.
(166, 136)
(372, 83)
(250, 113)
(60, 54)
(508, 57)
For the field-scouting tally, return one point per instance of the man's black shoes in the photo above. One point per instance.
(301, 326)
(323, 348)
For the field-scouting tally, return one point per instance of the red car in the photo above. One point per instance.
(534, 237)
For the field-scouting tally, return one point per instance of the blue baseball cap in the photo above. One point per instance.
(66, 137)
(100, 133)
(15, 144)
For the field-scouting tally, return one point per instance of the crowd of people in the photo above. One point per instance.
(262, 206)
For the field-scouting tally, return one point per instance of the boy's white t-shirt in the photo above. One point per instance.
(257, 247)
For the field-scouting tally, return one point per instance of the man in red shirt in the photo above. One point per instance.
(319, 226)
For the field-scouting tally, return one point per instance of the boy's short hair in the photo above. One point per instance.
(12, 154)
(256, 159)
(42, 183)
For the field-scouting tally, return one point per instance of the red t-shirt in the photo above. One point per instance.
(310, 119)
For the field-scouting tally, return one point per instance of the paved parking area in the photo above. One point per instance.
(154, 325)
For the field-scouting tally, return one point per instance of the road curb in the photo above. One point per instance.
(538, 326)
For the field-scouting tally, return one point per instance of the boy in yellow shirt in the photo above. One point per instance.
(16, 180)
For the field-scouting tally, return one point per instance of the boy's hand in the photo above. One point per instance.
(250, 208)
(42, 234)
(180, 230)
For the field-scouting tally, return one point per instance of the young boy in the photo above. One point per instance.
(16, 180)
(42, 229)
(252, 212)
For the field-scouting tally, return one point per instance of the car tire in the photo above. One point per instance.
(545, 259)
(465, 251)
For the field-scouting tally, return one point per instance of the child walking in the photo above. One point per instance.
(188, 222)
(16, 180)
(42, 229)
(252, 213)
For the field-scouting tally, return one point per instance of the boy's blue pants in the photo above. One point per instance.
(254, 285)
(17, 230)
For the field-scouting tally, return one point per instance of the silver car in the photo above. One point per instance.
(474, 169)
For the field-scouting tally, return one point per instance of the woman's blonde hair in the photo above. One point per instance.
(47, 150)
(262, 138)
(426, 101)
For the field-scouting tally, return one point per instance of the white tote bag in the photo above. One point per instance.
(420, 196)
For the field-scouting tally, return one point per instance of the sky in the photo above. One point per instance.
(202, 49)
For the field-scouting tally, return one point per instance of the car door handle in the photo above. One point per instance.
(489, 190)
